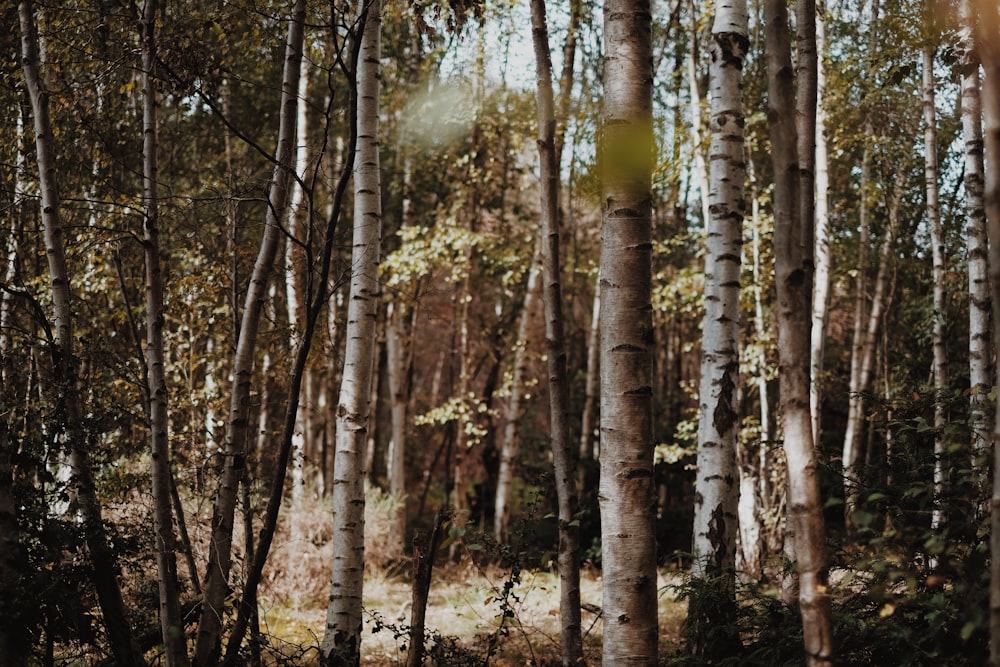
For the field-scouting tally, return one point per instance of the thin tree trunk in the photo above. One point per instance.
(563, 454)
(701, 175)
(296, 256)
(939, 370)
(171, 619)
(509, 443)
(208, 643)
(858, 382)
(821, 259)
(626, 491)
(590, 445)
(68, 400)
(989, 28)
(980, 349)
(715, 521)
(317, 289)
(793, 246)
(341, 646)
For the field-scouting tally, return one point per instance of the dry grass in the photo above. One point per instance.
(464, 605)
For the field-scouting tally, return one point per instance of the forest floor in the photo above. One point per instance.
(465, 615)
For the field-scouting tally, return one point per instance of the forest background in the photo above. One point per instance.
(179, 361)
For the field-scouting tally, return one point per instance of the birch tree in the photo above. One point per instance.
(64, 370)
(171, 619)
(626, 491)
(208, 641)
(563, 454)
(980, 378)
(986, 29)
(341, 645)
(939, 366)
(717, 487)
(793, 278)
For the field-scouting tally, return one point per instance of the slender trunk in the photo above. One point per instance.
(296, 256)
(509, 443)
(864, 356)
(123, 645)
(208, 644)
(822, 259)
(793, 276)
(715, 520)
(858, 383)
(171, 619)
(563, 455)
(590, 445)
(989, 28)
(701, 175)
(939, 370)
(317, 289)
(626, 491)
(980, 349)
(341, 644)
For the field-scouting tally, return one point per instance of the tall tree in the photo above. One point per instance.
(171, 619)
(208, 643)
(986, 30)
(939, 366)
(64, 366)
(822, 239)
(793, 247)
(715, 519)
(626, 490)
(341, 646)
(563, 454)
(980, 379)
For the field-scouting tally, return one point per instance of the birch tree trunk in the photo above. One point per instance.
(341, 646)
(793, 276)
(626, 491)
(208, 643)
(296, 255)
(980, 349)
(939, 370)
(717, 487)
(590, 445)
(701, 170)
(563, 454)
(821, 243)
(171, 619)
(859, 343)
(64, 371)
(988, 29)
(511, 431)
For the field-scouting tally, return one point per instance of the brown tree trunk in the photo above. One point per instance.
(626, 494)
(171, 619)
(208, 643)
(793, 246)
(563, 454)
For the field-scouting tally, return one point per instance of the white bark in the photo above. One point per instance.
(511, 431)
(939, 370)
(341, 643)
(821, 258)
(715, 521)
(980, 349)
